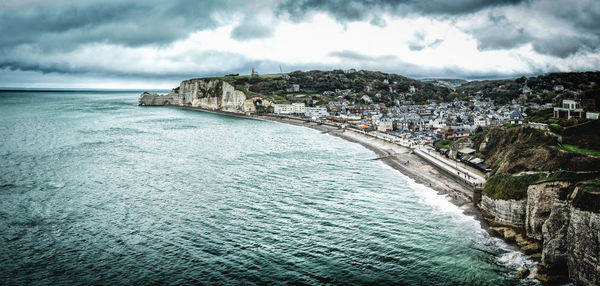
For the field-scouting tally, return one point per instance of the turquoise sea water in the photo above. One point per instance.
(96, 190)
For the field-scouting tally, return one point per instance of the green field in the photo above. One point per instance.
(575, 149)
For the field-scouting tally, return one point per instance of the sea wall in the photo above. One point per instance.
(206, 93)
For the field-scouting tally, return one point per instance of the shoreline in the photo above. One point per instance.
(402, 160)
(395, 156)
(399, 158)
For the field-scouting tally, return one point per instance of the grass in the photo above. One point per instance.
(589, 198)
(507, 187)
(578, 150)
(250, 94)
(562, 175)
(443, 144)
(591, 186)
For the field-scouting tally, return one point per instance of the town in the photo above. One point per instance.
(435, 125)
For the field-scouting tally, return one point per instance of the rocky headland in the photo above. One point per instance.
(210, 94)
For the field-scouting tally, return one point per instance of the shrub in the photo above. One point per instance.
(588, 199)
(507, 187)
(443, 144)
(555, 128)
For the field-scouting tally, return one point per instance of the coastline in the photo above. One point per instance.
(401, 159)
(416, 168)
(397, 157)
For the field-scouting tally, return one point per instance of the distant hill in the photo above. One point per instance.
(378, 86)
(543, 88)
(320, 87)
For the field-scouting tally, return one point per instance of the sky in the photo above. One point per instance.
(157, 44)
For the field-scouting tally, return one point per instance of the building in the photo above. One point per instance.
(480, 121)
(385, 124)
(298, 108)
(316, 112)
(592, 115)
(454, 132)
(516, 117)
(253, 74)
(283, 109)
(294, 88)
(569, 109)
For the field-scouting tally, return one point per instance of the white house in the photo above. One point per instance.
(569, 109)
(385, 124)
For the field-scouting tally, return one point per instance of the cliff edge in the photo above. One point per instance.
(210, 94)
(545, 199)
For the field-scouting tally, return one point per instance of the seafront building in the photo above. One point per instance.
(287, 109)
(316, 112)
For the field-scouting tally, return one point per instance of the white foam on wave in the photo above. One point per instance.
(510, 258)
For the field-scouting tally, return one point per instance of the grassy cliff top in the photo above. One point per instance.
(521, 148)
(514, 187)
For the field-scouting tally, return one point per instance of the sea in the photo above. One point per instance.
(96, 190)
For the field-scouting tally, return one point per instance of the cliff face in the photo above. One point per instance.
(211, 94)
(540, 199)
(583, 247)
(572, 242)
(552, 214)
(508, 212)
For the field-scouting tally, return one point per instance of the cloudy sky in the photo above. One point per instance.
(156, 44)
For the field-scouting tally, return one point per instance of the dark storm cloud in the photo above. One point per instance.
(583, 17)
(497, 34)
(358, 10)
(68, 36)
(61, 64)
(251, 28)
(501, 34)
(54, 25)
(419, 43)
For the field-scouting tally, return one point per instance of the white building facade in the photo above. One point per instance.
(283, 109)
(298, 108)
(316, 112)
